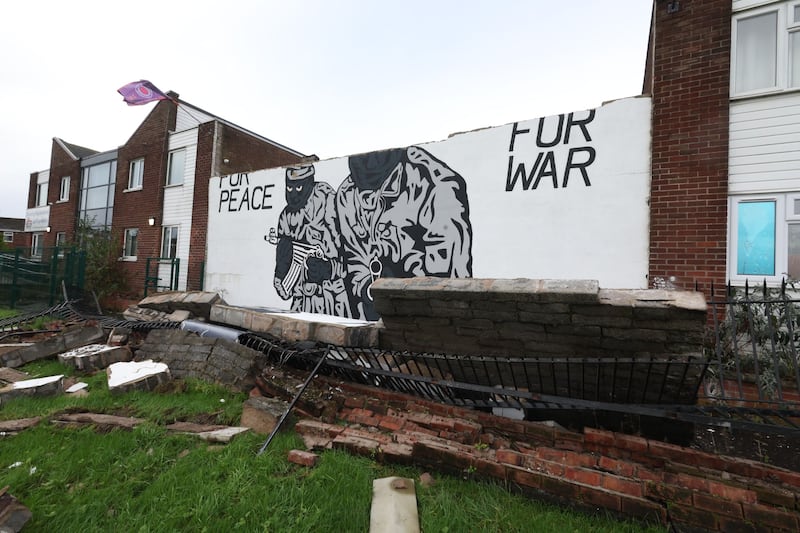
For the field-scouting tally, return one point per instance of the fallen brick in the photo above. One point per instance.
(303, 458)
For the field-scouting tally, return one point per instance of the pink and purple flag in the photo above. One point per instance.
(141, 92)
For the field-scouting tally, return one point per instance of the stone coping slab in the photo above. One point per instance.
(297, 327)
(136, 375)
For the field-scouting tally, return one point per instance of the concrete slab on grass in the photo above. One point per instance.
(394, 506)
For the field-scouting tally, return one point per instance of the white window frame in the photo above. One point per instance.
(37, 245)
(63, 192)
(41, 194)
(175, 178)
(136, 174)
(8, 236)
(131, 237)
(783, 59)
(781, 239)
(165, 248)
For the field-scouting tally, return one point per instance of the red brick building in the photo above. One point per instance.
(12, 233)
(151, 192)
(725, 82)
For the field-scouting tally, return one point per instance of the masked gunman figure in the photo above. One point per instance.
(307, 266)
(402, 213)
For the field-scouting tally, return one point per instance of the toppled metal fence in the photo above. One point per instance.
(747, 377)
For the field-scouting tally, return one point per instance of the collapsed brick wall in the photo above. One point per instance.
(627, 475)
(190, 356)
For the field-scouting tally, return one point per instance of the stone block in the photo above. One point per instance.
(262, 414)
(394, 506)
(72, 337)
(95, 357)
(142, 375)
(46, 386)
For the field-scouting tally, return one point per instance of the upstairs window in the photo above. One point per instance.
(175, 167)
(766, 49)
(8, 236)
(63, 194)
(41, 194)
(136, 175)
(97, 194)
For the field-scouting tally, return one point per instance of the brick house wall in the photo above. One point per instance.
(233, 152)
(63, 214)
(690, 60)
(133, 208)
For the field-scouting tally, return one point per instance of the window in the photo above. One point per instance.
(136, 175)
(63, 194)
(130, 243)
(37, 244)
(169, 244)
(175, 167)
(8, 236)
(755, 240)
(97, 194)
(765, 238)
(61, 239)
(766, 49)
(41, 194)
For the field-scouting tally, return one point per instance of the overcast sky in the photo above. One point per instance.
(325, 77)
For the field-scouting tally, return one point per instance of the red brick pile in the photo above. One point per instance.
(627, 475)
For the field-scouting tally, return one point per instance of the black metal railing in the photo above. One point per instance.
(753, 352)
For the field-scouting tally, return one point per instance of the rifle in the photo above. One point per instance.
(300, 253)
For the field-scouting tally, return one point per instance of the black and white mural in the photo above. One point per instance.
(398, 213)
(559, 197)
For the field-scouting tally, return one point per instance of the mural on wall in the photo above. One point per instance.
(556, 197)
(398, 213)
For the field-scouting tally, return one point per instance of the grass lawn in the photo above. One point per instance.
(149, 480)
(6, 313)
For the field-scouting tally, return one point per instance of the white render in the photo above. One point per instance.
(598, 232)
(122, 373)
(38, 382)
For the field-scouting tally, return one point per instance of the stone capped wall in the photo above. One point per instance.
(562, 338)
(530, 317)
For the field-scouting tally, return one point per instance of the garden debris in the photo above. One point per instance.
(141, 375)
(118, 336)
(13, 515)
(262, 414)
(300, 457)
(46, 386)
(426, 479)
(76, 387)
(68, 339)
(12, 427)
(222, 436)
(197, 303)
(100, 421)
(394, 506)
(11, 375)
(95, 357)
